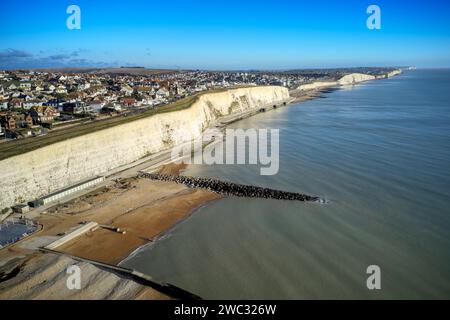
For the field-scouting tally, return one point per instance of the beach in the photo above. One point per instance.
(146, 210)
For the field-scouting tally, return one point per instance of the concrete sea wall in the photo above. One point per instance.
(53, 167)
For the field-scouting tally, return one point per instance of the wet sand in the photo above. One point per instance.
(144, 209)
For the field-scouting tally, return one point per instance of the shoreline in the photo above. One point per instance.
(301, 96)
(171, 168)
(147, 210)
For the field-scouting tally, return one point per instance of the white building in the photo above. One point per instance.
(126, 89)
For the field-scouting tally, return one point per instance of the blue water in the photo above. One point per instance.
(381, 152)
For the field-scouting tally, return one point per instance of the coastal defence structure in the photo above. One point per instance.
(233, 189)
(88, 227)
(56, 166)
(66, 192)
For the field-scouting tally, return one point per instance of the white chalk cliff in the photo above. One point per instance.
(53, 167)
(350, 79)
(355, 78)
(394, 73)
(317, 85)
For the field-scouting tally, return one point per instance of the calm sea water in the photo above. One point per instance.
(381, 152)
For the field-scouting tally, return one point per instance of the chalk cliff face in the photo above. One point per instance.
(45, 170)
(355, 78)
(318, 85)
(394, 73)
(349, 79)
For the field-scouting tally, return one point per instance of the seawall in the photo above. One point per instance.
(56, 166)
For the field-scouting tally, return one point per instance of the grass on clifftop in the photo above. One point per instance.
(16, 147)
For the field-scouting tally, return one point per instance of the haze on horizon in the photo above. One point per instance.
(234, 35)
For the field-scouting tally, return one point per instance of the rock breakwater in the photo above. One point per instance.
(232, 189)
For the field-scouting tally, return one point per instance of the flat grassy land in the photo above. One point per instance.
(16, 147)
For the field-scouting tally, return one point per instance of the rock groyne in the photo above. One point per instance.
(233, 189)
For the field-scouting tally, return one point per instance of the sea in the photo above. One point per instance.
(380, 153)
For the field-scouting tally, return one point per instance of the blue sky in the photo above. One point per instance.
(230, 34)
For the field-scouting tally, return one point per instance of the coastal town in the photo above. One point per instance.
(91, 178)
(33, 102)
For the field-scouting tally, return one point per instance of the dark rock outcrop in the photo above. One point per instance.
(232, 189)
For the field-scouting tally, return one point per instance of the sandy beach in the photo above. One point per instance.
(145, 209)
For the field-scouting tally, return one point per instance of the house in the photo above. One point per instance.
(163, 93)
(61, 89)
(48, 115)
(96, 105)
(200, 88)
(24, 121)
(34, 115)
(55, 103)
(15, 103)
(141, 89)
(95, 91)
(26, 97)
(128, 102)
(50, 88)
(31, 103)
(25, 86)
(12, 87)
(8, 122)
(76, 96)
(74, 107)
(126, 90)
(29, 120)
(38, 88)
(84, 86)
(3, 104)
(112, 108)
